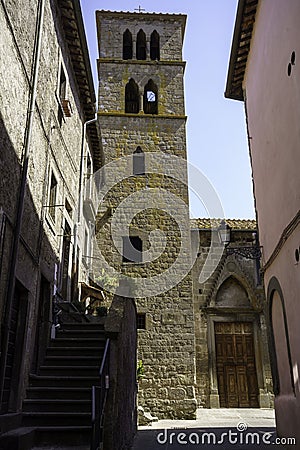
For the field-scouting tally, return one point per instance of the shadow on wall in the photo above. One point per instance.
(120, 423)
(31, 305)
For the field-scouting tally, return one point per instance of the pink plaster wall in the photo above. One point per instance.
(273, 110)
(273, 107)
(287, 273)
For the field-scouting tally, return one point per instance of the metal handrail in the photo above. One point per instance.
(99, 396)
(3, 219)
(104, 357)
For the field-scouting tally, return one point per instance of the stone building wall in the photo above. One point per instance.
(232, 294)
(151, 205)
(168, 79)
(111, 26)
(120, 420)
(114, 72)
(55, 148)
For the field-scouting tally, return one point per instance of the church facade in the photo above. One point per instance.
(232, 358)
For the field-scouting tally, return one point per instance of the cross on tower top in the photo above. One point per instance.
(139, 9)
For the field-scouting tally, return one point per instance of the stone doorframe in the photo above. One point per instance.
(254, 318)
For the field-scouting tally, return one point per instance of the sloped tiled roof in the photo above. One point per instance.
(244, 25)
(75, 36)
(235, 224)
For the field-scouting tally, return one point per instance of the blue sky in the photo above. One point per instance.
(216, 134)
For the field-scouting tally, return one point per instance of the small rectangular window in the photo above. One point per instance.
(68, 208)
(62, 84)
(88, 167)
(132, 249)
(141, 321)
(52, 197)
(62, 91)
(86, 244)
(138, 163)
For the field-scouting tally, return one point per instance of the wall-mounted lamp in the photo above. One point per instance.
(224, 233)
(249, 252)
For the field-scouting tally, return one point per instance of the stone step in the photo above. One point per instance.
(76, 351)
(57, 419)
(67, 317)
(18, 439)
(82, 326)
(58, 402)
(75, 342)
(79, 393)
(80, 333)
(72, 360)
(57, 405)
(65, 371)
(66, 446)
(68, 436)
(63, 381)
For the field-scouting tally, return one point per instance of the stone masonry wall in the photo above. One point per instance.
(249, 294)
(114, 77)
(111, 27)
(157, 204)
(120, 419)
(54, 147)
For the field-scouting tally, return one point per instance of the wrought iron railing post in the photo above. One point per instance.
(2, 235)
(99, 396)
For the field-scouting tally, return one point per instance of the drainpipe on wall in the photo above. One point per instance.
(80, 193)
(22, 191)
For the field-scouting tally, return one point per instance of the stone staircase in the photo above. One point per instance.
(57, 407)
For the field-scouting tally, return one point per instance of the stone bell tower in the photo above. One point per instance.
(142, 120)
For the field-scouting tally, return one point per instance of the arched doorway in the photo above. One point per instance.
(233, 338)
(280, 351)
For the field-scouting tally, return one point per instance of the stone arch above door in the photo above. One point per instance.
(235, 302)
(233, 277)
(232, 294)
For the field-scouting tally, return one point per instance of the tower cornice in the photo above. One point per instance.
(142, 115)
(141, 63)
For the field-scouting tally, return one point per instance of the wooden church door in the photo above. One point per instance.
(236, 370)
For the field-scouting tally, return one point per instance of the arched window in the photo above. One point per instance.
(280, 352)
(154, 46)
(141, 52)
(127, 45)
(138, 163)
(132, 97)
(150, 98)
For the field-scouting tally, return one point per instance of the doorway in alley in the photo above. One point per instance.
(14, 355)
(236, 369)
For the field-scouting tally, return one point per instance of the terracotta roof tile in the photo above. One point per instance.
(235, 224)
(244, 25)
